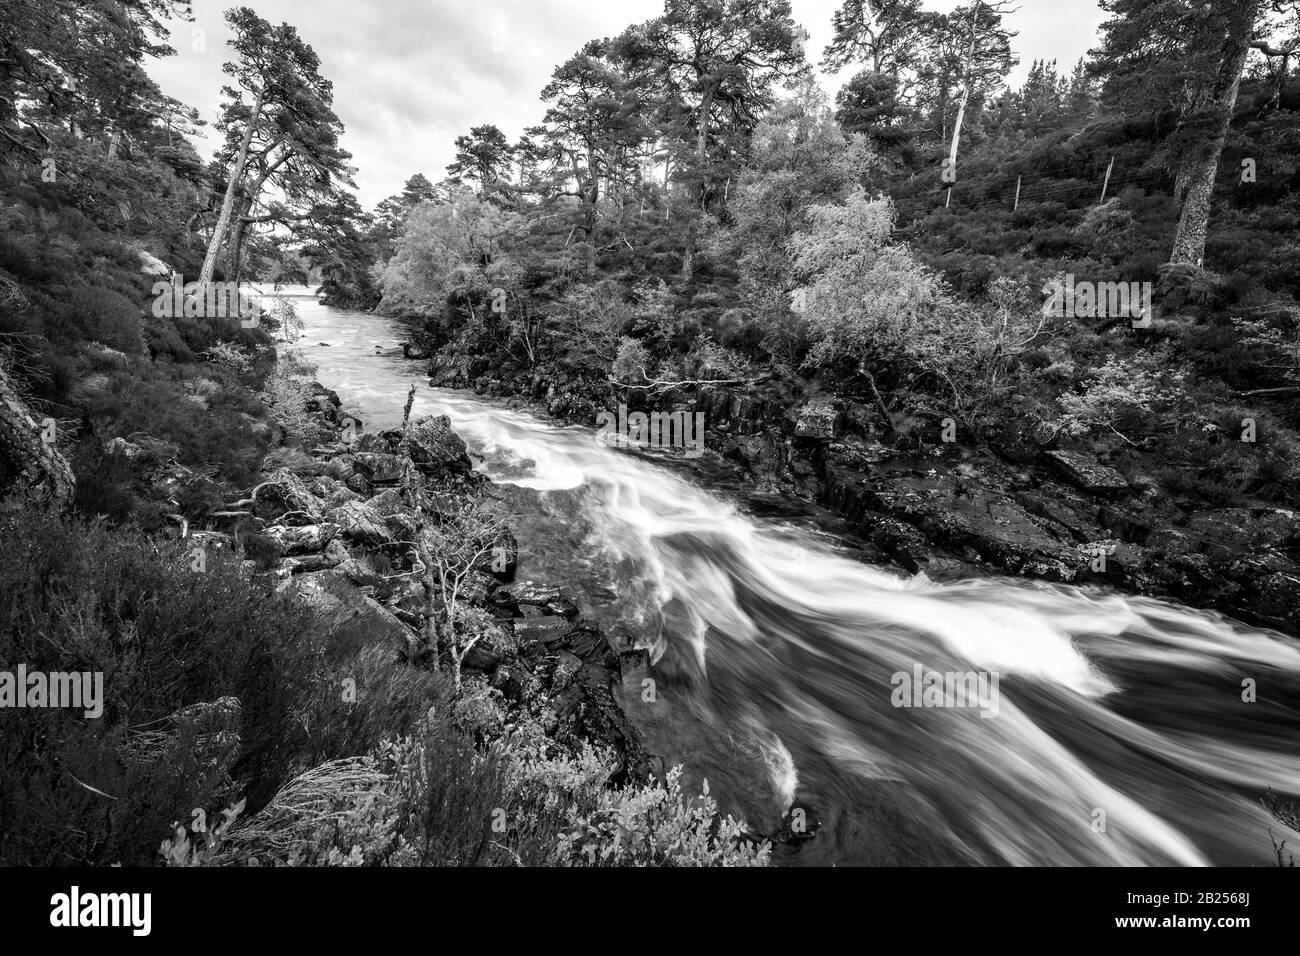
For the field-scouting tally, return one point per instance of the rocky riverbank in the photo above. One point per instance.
(953, 508)
(363, 531)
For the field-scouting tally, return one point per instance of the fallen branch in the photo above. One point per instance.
(1280, 390)
(655, 385)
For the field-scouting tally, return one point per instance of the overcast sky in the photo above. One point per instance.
(411, 75)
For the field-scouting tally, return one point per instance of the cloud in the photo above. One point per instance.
(411, 75)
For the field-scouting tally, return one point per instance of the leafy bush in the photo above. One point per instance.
(657, 826)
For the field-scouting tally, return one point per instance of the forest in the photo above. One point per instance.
(693, 221)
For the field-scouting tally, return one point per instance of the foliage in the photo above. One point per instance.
(658, 826)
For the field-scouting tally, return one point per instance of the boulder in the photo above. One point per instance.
(361, 573)
(816, 420)
(292, 494)
(403, 527)
(436, 449)
(360, 485)
(387, 502)
(379, 469)
(303, 539)
(342, 605)
(1084, 471)
(541, 630)
(151, 265)
(512, 596)
(331, 491)
(361, 523)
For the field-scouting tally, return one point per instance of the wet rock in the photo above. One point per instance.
(1084, 471)
(323, 401)
(541, 630)
(567, 665)
(1245, 528)
(562, 606)
(1279, 598)
(437, 450)
(512, 596)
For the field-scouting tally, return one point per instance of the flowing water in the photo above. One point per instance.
(1116, 732)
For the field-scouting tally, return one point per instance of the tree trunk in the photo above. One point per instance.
(237, 242)
(242, 221)
(227, 204)
(1193, 224)
(35, 467)
(702, 145)
(965, 90)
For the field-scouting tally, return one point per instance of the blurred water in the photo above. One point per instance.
(1120, 735)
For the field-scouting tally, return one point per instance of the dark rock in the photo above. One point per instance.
(567, 665)
(437, 450)
(508, 683)
(541, 630)
(525, 593)
(816, 420)
(379, 469)
(1084, 471)
(563, 607)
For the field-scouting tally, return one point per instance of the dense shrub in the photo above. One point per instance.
(78, 596)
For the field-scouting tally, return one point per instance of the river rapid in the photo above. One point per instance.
(1105, 729)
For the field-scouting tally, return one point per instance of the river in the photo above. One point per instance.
(1112, 729)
